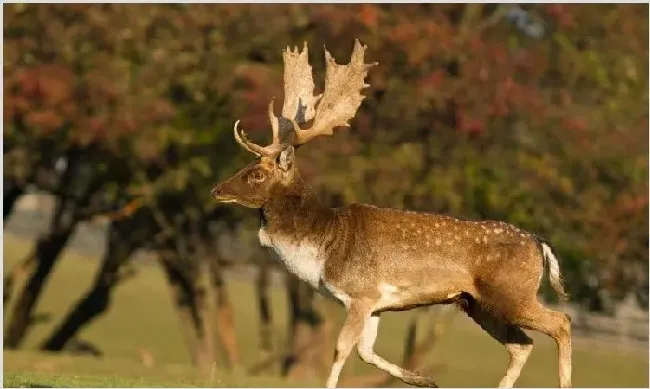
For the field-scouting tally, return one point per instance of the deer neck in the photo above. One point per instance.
(295, 224)
(293, 211)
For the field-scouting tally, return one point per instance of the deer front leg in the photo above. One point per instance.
(358, 312)
(366, 352)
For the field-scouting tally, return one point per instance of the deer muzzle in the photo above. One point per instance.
(218, 193)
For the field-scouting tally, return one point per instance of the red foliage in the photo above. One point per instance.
(369, 15)
(563, 14)
(434, 80)
(107, 73)
(44, 122)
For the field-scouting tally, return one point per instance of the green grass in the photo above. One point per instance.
(34, 369)
(142, 316)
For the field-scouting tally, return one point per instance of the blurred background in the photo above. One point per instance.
(119, 270)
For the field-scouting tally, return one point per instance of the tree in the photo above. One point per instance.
(126, 233)
(532, 114)
(82, 104)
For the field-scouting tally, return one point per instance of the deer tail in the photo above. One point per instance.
(555, 276)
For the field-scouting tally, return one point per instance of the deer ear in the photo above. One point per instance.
(285, 159)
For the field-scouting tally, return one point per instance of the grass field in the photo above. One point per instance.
(142, 316)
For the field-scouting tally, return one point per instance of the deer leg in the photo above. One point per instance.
(519, 346)
(368, 355)
(350, 333)
(515, 340)
(555, 324)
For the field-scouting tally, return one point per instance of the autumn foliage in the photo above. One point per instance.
(535, 115)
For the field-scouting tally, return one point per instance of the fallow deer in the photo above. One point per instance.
(374, 259)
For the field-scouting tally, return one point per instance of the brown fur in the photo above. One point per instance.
(430, 258)
(377, 259)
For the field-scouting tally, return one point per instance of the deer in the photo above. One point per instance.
(372, 259)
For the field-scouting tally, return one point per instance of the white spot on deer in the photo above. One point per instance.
(453, 295)
(389, 295)
(303, 259)
(438, 242)
(437, 225)
(387, 289)
(477, 240)
(522, 243)
(498, 230)
(485, 239)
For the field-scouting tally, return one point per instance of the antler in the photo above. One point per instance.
(341, 98)
(273, 148)
(299, 99)
(338, 103)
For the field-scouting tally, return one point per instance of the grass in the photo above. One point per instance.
(142, 316)
(34, 369)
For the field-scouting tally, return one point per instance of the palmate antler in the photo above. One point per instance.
(337, 104)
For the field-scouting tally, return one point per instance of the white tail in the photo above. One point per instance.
(554, 274)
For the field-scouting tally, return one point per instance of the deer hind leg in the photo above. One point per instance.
(357, 314)
(515, 340)
(555, 324)
(368, 355)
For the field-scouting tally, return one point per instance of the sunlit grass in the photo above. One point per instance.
(142, 316)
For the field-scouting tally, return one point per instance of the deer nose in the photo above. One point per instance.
(215, 191)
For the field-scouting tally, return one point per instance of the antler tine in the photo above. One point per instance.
(243, 141)
(341, 98)
(299, 99)
(275, 124)
(270, 150)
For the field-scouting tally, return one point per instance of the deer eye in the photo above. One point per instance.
(257, 176)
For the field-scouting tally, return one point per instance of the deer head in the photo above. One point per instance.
(304, 117)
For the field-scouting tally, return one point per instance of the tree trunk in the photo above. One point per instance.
(205, 354)
(16, 278)
(180, 291)
(97, 300)
(12, 193)
(264, 305)
(303, 359)
(75, 189)
(191, 302)
(45, 254)
(224, 315)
